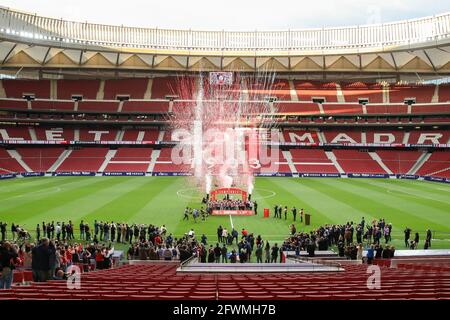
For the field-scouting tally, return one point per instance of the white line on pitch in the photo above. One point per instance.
(231, 221)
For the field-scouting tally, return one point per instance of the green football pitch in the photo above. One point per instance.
(161, 200)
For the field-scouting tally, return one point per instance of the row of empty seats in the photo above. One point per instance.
(149, 282)
(161, 87)
(163, 106)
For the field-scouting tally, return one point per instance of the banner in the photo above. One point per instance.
(115, 174)
(288, 144)
(320, 175)
(214, 193)
(368, 175)
(74, 173)
(7, 176)
(32, 174)
(232, 212)
(171, 174)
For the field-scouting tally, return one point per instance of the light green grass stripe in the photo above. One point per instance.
(68, 196)
(412, 189)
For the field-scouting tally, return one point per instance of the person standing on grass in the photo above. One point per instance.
(64, 231)
(217, 253)
(267, 252)
(82, 235)
(301, 215)
(285, 210)
(280, 209)
(100, 228)
(294, 212)
(3, 230)
(119, 232)
(113, 232)
(219, 233)
(416, 240)
(38, 232)
(407, 233)
(258, 253)
(52, 230)
(234, 234)
(96, 225)
(224, 235)
(275, 210)
(233, 256)
(274, 254)
(211, 257)
(186, 214)
(428, 238)
(255, 207)
(87, 231)
(224, 253)
(58, 231)
(13, 231)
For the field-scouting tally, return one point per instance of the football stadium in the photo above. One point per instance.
(144, 163)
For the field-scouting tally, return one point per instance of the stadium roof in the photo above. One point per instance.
(411, 46)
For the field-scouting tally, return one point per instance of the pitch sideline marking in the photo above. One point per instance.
(231, 221)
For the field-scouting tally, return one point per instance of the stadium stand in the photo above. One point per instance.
(438, 164)
(355, 161)
(18, 88)
(87, 89)
(83, 159)
(306, 91)
(399, 162)
(99, 106)
(162, 282)
(421, 93)
(133, 88)
(54, 105)
(354, 91)
(40, 159)
(9, 164)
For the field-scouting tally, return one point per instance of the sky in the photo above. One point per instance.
(247, 15)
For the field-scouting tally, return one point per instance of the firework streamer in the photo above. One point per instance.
(221, 128)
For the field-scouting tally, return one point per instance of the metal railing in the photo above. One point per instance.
(15, 23)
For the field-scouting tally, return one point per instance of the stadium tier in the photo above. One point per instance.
(161, 88)
(326, 177)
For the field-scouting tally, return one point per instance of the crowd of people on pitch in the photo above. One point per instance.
(283, 211)
(348, 238)
(246, 247)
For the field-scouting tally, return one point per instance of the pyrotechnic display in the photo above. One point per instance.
(227, 133)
